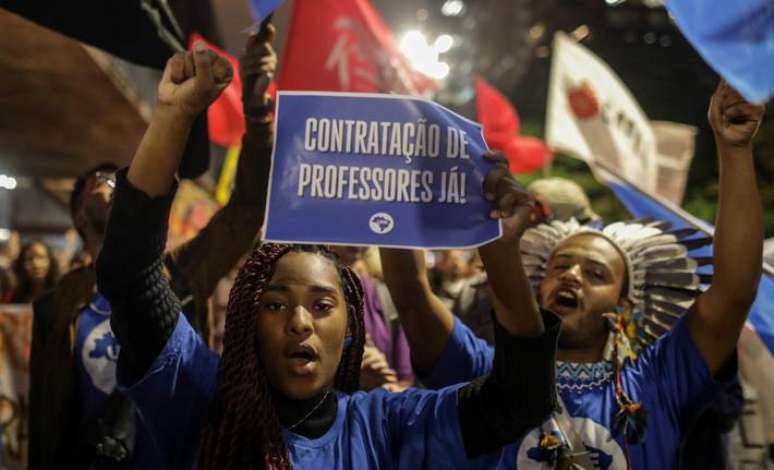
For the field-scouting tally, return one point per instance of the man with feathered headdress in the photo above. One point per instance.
(644, 344)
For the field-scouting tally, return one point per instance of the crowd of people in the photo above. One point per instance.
(227, 352)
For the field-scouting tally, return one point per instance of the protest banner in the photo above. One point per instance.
(15, 343)
(675, 144)
(386, 170)
(345, 45)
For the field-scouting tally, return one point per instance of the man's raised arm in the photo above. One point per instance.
(717, 317)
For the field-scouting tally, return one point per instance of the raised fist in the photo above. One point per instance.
(192, 80)
(256, 69)
(733, 119)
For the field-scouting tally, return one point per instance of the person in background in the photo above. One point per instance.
(453, 269)
(81, 259)
(564, 199)
(69, 250)
(387, 358)
(9, 251)
(219, 305)
(77, 417)
(459, 281)
(36, 271)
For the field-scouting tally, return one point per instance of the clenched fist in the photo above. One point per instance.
(734, 120)
(256, 68)
(192, 80)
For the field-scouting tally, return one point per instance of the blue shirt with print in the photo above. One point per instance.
(96, 356)
(670, 378)
(379, 429)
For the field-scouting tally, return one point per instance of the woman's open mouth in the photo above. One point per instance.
(302, 358)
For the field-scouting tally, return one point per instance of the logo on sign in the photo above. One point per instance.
(381, 223)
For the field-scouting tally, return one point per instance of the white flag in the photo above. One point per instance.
(593, 116)
(675, 145)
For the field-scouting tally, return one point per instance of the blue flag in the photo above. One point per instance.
(386, 170)
(736, 38)
(263, 8)
(640, 204)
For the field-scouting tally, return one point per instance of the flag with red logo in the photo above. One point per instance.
(344, 45)
(501, 124)
(592, 115)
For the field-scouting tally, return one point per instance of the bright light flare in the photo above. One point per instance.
(453, 7)
(423, 56)
(443, 43)
(8, 182)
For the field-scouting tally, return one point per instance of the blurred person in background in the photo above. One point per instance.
(81, 259)
(36, 271)
(9, 247)
(218, 307)
(78, 419)
(459, 281)
(9, 251)
(564, 199)
(452, 270)
(386, 356)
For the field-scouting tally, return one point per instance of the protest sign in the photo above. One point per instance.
(386, 170)
(15, 341)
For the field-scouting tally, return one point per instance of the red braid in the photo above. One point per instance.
(244, 430)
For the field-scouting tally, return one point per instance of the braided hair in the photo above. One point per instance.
(243, 430)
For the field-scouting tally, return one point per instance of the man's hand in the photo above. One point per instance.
(733, 119)
(512, 203)
(192, 80)
(256, 69)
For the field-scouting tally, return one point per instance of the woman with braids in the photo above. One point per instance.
(283, 393)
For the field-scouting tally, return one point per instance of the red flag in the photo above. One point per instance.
(343, 45)
(501, 130)
(225, 116)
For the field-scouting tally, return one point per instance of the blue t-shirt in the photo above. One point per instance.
(670, 378)
(96, 353)
(96, 356)
(413, 429)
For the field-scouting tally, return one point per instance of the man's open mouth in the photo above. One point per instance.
(567, 298)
